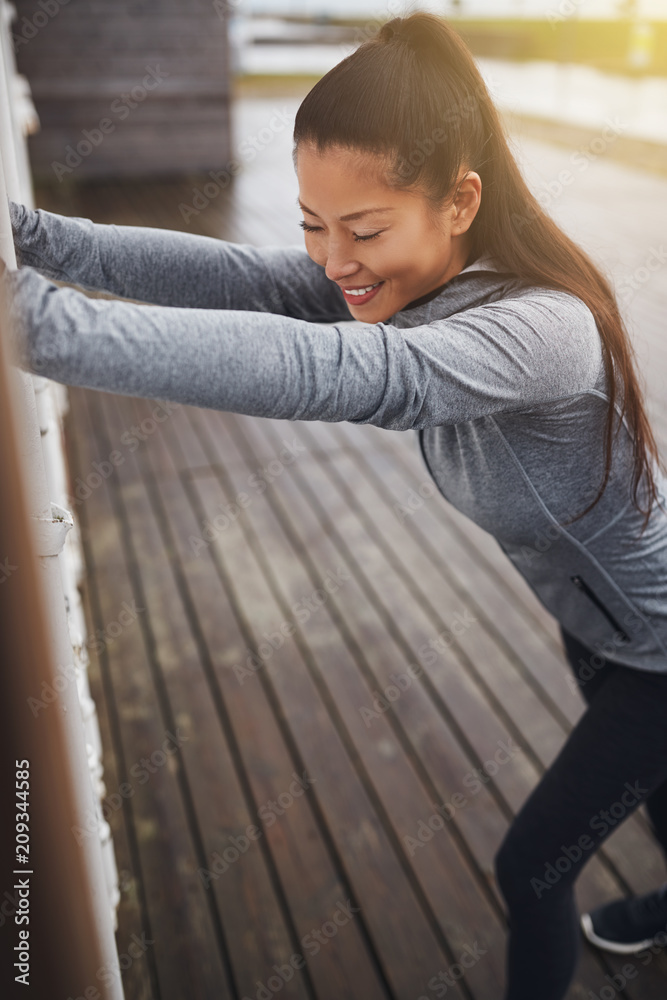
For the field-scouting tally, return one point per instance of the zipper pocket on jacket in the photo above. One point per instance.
(582, 585)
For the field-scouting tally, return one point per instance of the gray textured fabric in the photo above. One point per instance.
(503, 383)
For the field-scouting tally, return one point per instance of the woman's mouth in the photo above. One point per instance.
(358, 296)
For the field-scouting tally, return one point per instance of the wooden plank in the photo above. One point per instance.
(445, 761)
(188, 963)
(310, 883)
(140, 977)
(404, 937)
(230, 733)
(625, 846)
(396, 472)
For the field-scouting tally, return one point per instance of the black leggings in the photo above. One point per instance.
(614, 758)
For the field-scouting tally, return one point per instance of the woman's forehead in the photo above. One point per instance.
(343, 156)
(339, 169)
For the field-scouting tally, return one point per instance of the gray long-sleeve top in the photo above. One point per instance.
(504, 383)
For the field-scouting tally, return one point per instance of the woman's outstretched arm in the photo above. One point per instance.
(170, 268)
(500, 356)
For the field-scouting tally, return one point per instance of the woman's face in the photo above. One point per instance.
(365, 233)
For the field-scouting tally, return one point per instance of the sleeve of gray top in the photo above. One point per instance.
(504, 355)
(170, 268)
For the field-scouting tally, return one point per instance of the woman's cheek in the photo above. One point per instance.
(314, 250)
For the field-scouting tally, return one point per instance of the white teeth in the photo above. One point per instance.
(361, 291)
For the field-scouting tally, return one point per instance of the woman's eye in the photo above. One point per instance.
(317, 229)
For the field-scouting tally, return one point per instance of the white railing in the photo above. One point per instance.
(56, 532)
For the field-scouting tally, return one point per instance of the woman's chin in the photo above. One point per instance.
(370, 315)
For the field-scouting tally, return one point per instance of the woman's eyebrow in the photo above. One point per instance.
(353, 215)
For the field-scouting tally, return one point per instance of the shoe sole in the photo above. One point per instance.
(616, 946)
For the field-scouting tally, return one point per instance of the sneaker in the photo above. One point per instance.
(627, 925)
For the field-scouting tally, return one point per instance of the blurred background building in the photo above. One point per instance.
(146, 88)
(125, 88)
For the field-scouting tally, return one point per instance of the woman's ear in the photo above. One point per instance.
(467, 202)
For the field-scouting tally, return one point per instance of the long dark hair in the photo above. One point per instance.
(413, 95)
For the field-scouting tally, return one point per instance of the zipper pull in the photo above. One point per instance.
(579, 582)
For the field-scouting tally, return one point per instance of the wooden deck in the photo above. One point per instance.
(261, 806)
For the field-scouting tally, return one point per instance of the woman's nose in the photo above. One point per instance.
(339, 264)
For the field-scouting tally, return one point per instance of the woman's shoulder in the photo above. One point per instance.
(500, 303)
(555, 307)
(537, 327)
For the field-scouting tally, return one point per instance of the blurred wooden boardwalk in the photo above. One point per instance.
(253, 586)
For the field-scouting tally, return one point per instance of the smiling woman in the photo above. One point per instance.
(482, 326)
(417, 249)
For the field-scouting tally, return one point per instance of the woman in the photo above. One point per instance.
(484, 328)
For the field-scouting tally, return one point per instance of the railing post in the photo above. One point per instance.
(65, 739)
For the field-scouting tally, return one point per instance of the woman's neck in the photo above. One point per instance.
(423, 299)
